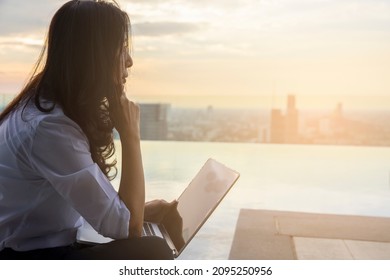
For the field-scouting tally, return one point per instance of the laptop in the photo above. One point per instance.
(195, 205)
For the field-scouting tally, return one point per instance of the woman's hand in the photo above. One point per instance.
(125, 115)
(160, 211)
(156, 210)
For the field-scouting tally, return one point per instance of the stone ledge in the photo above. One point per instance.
(282, 235)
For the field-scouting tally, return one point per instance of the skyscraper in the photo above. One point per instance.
(291, 121)
(154, 123)
(277, 126)
(284, 128)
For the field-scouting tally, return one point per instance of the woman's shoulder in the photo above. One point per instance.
(29, 117)
(49, 113)
(29, 127)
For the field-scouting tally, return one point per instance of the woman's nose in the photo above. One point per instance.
(129, 61)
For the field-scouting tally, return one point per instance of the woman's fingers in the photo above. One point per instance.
(125, 115)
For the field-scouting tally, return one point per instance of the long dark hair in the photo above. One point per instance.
(78, 69)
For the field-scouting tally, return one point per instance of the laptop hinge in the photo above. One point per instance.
(168, 240)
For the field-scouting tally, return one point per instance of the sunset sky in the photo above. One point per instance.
(251, 52)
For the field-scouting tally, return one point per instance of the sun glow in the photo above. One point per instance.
(321, 50)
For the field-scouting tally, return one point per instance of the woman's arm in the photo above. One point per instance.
(132, 184)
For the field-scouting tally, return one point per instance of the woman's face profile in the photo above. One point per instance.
(125, 63)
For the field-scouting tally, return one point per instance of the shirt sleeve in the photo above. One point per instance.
(60, 153)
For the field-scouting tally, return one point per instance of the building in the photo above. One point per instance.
(154, 121)
(291, 121)
(277, 126)
(284, 128)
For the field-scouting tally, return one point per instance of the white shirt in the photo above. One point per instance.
(48, 181)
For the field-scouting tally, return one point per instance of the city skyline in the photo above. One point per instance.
(285, 124)
(279, 125)
(322, 51)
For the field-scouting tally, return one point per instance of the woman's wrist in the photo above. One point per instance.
(129, 137)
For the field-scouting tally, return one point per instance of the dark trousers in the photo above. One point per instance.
(143, 248)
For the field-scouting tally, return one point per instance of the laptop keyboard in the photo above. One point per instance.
(148, 230)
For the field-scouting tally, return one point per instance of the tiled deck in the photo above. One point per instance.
(273, 235)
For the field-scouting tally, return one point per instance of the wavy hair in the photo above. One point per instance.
(78, 69)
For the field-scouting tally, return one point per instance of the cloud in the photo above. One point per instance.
(155, 29)
(24, 17)
(21, 42)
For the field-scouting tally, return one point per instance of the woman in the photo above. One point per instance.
(56, 142)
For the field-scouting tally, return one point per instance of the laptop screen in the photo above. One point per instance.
(198, 201)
